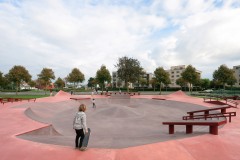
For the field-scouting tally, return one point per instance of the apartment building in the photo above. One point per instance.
(237, 75)
(175, 73)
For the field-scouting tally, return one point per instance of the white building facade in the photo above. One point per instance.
(237, 75)
(175, 73)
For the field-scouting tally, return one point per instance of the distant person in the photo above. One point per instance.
(80, 125)
(71, 92)
(97, 90)
(93, 102)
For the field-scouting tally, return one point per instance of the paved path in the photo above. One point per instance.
(14, 121)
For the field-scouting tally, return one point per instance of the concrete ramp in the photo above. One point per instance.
(118, 122)
(178, 93)
(48, 130)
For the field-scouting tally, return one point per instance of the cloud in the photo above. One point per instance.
(85, 34)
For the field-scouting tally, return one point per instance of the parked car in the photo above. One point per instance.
(208, 91)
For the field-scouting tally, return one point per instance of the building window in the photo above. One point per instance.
(172, 72)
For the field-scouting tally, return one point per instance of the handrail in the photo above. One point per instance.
(213, 115)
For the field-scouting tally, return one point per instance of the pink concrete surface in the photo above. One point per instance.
(13, 121)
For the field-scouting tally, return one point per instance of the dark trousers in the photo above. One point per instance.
(79, 134)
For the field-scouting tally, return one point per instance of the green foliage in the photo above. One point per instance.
(224, 75)
(17, 75)
(231, 80)
(204, 83)
(3, 81)
(181, 82)
(162, 77)
(59, 83)
(191, 76)
(129, 70)
(91, 82)
(46, 75)
(143, 82)
(153, 82)
(103, 75)
(75, 77)
(32, 83)
(44, 78)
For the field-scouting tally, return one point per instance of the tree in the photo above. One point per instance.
(204, 83)
(91, 82)
(1, 80)
(32, 83)
(224, 75)
(102, 76)
(215, 84)
(17, 75)
(59, 83)
(75, 77)
(153, 82)
(45, 77)
(181, 82)
(190, 76)
(162, 77)
(143, 82)
(119, 83)
(232, 79)
(128, 70)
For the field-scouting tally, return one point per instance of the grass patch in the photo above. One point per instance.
(23, 96)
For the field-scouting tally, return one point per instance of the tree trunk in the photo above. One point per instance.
(45, 89)
(160, 88)
(16, 88)
(191, 87)
(126, 84)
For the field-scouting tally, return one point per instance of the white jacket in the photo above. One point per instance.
(80, 121)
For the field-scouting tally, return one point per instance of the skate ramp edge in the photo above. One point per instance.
(34, 116)
(62, 93)
(44, 131)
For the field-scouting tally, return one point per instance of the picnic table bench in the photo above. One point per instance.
(223, 109)
(5, 100)
(206, 113)
(232, 101)
(212, 97)
(213, 125)
(2, 100)
(213, 115)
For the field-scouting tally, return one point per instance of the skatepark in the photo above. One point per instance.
(122, 129)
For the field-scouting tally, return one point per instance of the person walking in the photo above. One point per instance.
(80, 125)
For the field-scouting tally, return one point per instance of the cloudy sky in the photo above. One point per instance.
(84, 34)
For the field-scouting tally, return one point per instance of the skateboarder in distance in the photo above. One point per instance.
(80, 125)
(93, 102)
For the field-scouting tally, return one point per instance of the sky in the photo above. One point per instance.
(86, 34)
